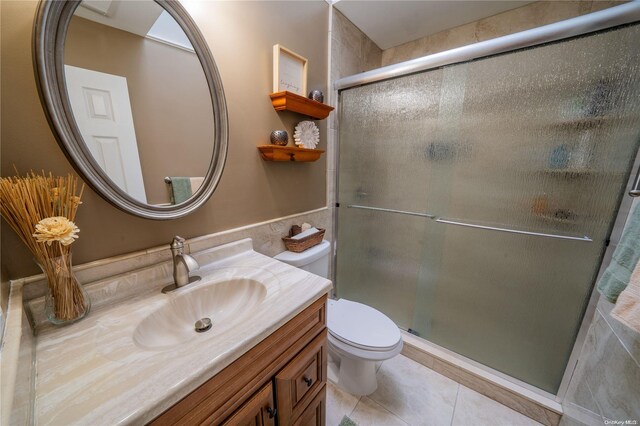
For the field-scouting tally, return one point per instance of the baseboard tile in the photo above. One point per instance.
(538, 408)
(582, 415)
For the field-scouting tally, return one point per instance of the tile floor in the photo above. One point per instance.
(412, 394)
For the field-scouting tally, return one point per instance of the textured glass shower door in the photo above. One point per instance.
(476, 199)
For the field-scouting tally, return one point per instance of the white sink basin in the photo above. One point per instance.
(226, 303)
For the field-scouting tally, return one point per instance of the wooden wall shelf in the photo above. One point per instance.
(287, 101)
(289, 153)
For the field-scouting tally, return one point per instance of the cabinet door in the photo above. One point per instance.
(299, 382)
(314, 414)
(259, 410)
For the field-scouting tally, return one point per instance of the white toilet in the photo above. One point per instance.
(359, 336)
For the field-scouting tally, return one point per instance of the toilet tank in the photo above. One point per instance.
(314, 260)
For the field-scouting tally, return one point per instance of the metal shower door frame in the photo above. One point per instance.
(613, 17)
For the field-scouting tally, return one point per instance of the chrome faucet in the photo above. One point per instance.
(183, 265)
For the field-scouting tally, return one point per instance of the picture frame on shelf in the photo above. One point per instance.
(289, 71)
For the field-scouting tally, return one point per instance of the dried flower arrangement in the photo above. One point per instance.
(41, 209)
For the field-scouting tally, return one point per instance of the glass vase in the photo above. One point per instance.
(66, 300)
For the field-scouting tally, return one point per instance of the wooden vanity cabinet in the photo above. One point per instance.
(301, 380)
(259, 410)
(314, 414)
(280, 381)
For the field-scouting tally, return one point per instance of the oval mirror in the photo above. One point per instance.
(135, 100)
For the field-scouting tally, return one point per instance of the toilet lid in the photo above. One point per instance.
(361, 325)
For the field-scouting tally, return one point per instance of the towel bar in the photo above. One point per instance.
(514, 231)
(471, 225)
(635, 189)
(430, 216)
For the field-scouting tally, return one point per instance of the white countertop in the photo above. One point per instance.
(93, 373)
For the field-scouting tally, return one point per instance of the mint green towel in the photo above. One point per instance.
(180, 189)
(616, 277)
(346, 421)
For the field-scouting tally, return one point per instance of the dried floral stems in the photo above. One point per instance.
(68, 299)
(24, 202)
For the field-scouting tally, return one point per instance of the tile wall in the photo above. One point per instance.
(606, 383)
(351, 52)
(523, 18)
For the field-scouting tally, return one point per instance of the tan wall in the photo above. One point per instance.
(520, 19)
(240, 36)
(169, 98)
(4, 274)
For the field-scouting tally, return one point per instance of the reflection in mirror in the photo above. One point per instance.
(140, 99)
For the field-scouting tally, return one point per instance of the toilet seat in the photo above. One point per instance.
(360, 326)
(348, 351)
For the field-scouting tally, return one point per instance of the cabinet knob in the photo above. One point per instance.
(307, 380)
(272, 412)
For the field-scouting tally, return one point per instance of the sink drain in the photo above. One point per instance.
(203, 325)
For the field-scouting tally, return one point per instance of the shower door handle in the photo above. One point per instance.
(635, 189)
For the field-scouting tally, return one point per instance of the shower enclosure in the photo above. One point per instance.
(477, 199)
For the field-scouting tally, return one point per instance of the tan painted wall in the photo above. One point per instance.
(240, 36)
(509, 22)
(4, 274)
(169, 97)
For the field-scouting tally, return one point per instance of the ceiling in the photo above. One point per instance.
(136, 17)
(390, 23)
(144, 18)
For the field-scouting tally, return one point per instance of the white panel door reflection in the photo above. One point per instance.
(102, 109)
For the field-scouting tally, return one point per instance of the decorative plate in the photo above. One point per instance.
(307, 134)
